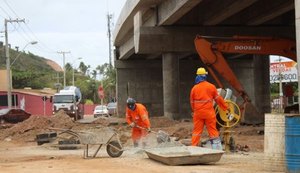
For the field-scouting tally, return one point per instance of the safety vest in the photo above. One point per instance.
(202, 99)
(139, 116)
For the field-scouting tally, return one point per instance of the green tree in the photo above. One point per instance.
(30, 70)
(68, 67)
(83, 68)
(94, 74)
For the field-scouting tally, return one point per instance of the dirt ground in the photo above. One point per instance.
(20, 152)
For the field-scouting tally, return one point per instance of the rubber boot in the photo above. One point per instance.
(135, 144)
(144, 144)
(216, 143)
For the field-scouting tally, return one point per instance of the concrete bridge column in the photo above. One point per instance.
(170, 68)
(297, 16)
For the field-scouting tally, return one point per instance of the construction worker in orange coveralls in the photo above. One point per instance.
(137, 118)
(202, 98)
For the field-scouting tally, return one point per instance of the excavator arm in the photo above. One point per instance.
(211, 53)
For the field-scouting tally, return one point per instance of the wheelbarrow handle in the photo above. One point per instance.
(145, 129)
(161, 136)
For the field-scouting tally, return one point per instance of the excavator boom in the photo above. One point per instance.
(258, 45)
(211, 54)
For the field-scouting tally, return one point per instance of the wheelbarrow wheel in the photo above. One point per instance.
(114, 149)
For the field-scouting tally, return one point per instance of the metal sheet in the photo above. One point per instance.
(184, 155)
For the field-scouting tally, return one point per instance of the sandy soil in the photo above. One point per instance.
(54, 65)
(20, 152)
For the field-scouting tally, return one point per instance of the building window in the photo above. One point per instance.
(3, 100)
(14, 100)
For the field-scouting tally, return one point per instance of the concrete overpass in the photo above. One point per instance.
(155, 54)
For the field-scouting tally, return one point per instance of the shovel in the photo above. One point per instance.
(161, 136)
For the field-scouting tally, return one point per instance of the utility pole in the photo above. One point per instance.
(63, 53)
(57, 85)
(9, 81)
(280, 86)
(109, 17)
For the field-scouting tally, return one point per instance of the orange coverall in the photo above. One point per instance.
(201, 99)
(140, 117)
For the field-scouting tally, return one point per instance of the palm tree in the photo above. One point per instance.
(83, 68)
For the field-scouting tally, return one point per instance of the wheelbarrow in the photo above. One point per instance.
(99, 137)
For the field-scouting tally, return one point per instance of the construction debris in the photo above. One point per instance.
(180, 132)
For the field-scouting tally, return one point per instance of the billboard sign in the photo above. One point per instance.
(288, 71)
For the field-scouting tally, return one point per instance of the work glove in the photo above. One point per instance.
(228, 110)
(132, 124)
(148, 129)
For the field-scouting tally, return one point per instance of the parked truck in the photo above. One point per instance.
(69, 99)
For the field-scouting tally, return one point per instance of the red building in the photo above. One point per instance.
(29, 100)
(32, 101)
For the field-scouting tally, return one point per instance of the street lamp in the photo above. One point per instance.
(32, 43)
(9, 76)
(73, 81)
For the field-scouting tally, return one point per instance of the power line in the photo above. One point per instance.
(10, 8)
(43, 47)
(5, 12)
(42, 43)
(9, 16)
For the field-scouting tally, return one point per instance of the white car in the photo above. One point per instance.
(101, 110)
(112, 108)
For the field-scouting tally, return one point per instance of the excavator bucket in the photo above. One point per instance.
(250, 115)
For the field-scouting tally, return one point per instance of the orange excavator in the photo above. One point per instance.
(211, 53)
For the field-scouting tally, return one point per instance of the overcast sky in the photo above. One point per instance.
(78, 26)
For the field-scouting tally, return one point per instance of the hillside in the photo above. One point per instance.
(26, 60)
(54, 65)
(30, 70)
